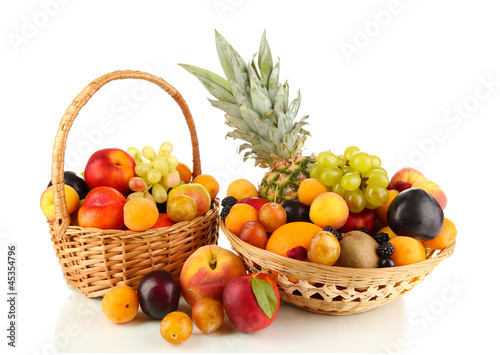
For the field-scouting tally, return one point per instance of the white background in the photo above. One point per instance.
(414, 82)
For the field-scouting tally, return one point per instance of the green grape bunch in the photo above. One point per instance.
(355, 175)
(156, 173)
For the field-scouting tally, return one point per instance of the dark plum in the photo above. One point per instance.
(76, 182)
(158, 293)
(415, 213)
(296, 211)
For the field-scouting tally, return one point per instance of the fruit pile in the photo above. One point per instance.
(213, 282)
(331, 197)
(398, 228)
(133, 190)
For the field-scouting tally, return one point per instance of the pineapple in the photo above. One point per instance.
(257, 108)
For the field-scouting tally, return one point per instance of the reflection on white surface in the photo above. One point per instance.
(81, 327)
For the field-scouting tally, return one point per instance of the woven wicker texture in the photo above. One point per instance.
(331, 289)
(94, 260)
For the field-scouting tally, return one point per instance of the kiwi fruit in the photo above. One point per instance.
(358, 250)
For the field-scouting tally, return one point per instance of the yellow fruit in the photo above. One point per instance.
(329, 209)
(309, 189)
(120, 304)
(242, 188)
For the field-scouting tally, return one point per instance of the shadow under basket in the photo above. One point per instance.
(95, 260)
(335, 290)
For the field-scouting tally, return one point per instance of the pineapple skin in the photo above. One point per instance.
(282, 182)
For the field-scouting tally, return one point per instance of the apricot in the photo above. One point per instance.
(120, 304)
(240, 214)
(309, 189)
(407, 250)
(140, 214)
(242, 188)
(47, 201)
(184, 172)
(446, 237)
(329, 209)
(209, 183)
(176, 327)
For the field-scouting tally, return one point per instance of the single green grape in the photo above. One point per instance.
(376, 195)
(148, 153)
(341, 160)
(361, 162)
(349, 151)
(315, 171)
(338, 189)
(327, 159)
(135, 153)
(159, 193)
(330, 175)
(351, 181)
(172, 162)
(161, 164)
(141, 169)
(346, 169)
(378, 177)
(376, 161)
(153, 176)
(165, 149)
(355, 200)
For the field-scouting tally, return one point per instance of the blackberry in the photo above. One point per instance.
(225, 211)
(333, 231)
(385, 250)
(362, 229)
(228, 201)
(381, 237)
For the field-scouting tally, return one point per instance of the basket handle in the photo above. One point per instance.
(57, 172)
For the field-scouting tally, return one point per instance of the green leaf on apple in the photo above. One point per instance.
(266, 298)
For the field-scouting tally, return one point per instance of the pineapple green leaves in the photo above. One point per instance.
(255, 103)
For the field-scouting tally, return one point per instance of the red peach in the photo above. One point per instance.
(410, 175)
(102, 208)
(434, 190)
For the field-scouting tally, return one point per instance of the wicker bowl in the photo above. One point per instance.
(94, 260)
(335, 290)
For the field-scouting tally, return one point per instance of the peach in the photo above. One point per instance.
(47, 201)
(446, 237)
(111, 167)
(434, 190)
(410, 175)
(407, 250)
(197, 192)
(140, 214)
(120, 304)
(102, 208)
(329, 209)
(207, 271)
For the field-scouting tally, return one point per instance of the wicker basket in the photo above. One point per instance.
(331, 289)
(94, 260)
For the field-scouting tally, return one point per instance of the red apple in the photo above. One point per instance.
(241, 302)
(111, 167)
(364, 219)
(207, 271)
(255, 202)
(102, 208)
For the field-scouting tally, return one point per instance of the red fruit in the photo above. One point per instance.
(255, 202)
(240, 300)
(272, 215)
(254, 233)
(401, 185)
(297, 253)
(364, 219)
